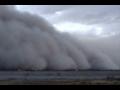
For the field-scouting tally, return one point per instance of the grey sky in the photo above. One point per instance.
(105, 16)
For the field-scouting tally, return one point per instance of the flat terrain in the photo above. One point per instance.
(59, 77)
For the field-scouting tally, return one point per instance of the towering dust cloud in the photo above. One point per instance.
(28, 42)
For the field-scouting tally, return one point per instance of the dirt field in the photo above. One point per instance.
(61, 82)
(60, 78)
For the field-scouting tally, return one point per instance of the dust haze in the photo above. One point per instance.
(29, 42)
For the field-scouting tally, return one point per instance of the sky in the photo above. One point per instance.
(86, 20)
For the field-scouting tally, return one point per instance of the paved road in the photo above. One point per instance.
(59, 75)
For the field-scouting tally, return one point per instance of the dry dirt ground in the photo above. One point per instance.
(60, 77)
(61, 82)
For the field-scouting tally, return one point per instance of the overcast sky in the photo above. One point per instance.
(98, 20)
